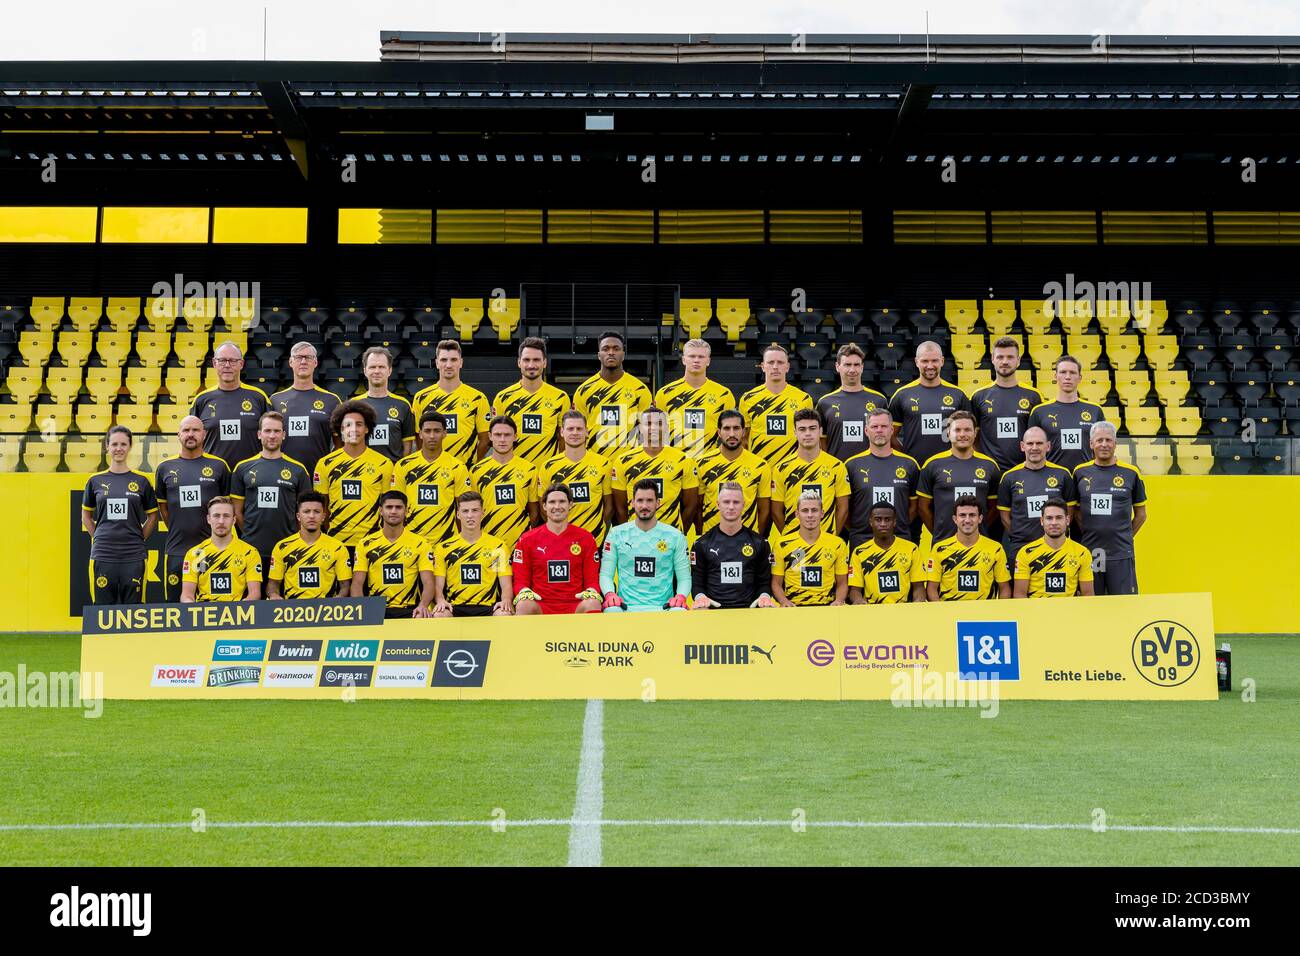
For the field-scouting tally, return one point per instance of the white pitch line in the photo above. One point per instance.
(582, 824)
(589, 803)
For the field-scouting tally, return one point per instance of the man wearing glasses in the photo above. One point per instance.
(306, 408)
(230, 412)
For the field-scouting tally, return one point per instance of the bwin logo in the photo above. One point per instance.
(75, 909)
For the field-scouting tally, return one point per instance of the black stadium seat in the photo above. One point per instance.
(1249, 385)
(884, 320)
(1234, 458)
(847, 322)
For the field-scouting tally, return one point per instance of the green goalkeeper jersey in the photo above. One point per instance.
(645, 563)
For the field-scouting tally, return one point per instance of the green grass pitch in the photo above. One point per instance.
(1224, 764)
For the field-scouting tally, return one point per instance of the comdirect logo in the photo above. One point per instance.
(239, 651)
(1166, 654)
(821, 652)
(406, 651)
(460, 664)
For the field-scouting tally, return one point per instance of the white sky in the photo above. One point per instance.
(349, 29)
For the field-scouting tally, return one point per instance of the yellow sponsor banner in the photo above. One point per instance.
(1157, 647)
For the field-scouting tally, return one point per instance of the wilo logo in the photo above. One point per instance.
(243, 296)
(1103, 298)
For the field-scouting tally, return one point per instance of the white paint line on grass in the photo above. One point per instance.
(589, 803)
(579, 825)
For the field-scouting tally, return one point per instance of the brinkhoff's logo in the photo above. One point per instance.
(725, 653)
(234, 676)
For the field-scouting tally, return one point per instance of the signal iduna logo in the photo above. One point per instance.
(1166, 653)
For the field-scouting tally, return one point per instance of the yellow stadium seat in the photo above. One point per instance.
(504, 316)
(1161, 350)
(191, 348)
(10, 452)
(93, 418)
(123, 313)
(1123, 351)
(967, 350)
(1140, 420)
(63, 383)
(24, 383)
(1183, 420)
(158, 449)
(1150, 314)
(240, 314)
(35, 347)
(1094, 385)
(960, 315)
(74, 347)
(1075, 314)
(52, 418)
(85, 314)
(1172, 386)
(1112, 414)
(1086, 348)
(170, 415)
(1044, 350)
(152, 348)
(1194, 457)
(135, 457)
(183, 384)
(970, 380)
(733, 316)
(143, 383)
(1132, 387)
(113, 348)
(47, 313)
(209, 378)
(83, 456)
(466, 315)
(1113, 316)
(137, 417)
(1027, 376)
(238, 339)
(695, 316)
(999, 314)
(103, 383)
(1035, 316)
(1152, 456)
(160, 313)
(42, 456)
(200, 314)
(15, 418)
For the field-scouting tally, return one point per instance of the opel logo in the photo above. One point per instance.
(460, 664)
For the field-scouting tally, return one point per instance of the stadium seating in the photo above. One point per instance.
(160, 314)
(123, 314)
(15, 418)
(63, 383)
(83, 455)
(85, 313)
(42, 456)
(92, 418)
(46, 313)
(694, 316)
(10, 452)
(960, 314)
(504, 316)
(24, 383)
(734, 316)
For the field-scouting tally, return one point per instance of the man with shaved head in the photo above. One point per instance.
(231, 411)
(1026, 488)
(184, 485)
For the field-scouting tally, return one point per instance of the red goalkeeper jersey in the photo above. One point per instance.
(556, 566)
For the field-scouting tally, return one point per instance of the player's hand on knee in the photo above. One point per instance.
(613, 602)
(764, 600)
(703, 602)
(527, 594)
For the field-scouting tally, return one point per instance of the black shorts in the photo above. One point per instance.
(400, 613)
(171, 577)
(1120, 577)
(117, 582)
(471, 610)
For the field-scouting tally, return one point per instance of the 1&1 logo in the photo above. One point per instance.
(1166, 653)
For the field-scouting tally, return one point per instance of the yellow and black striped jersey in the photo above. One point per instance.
(353, 486)
(221, 574)
(467, 412)
(589, 482)
(967, 572)
(769, 416)
(670, 469)
(392, 568)
(612, 410)
(752, 473)
(825, 474)
(431, 488)
(886, 575)
(693, 414)
(471, 573)
(808, 571)
(536, 418)
(507, 490)
(309, 570)
(1053, 572)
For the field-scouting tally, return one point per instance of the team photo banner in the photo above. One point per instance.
(1145, 647)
